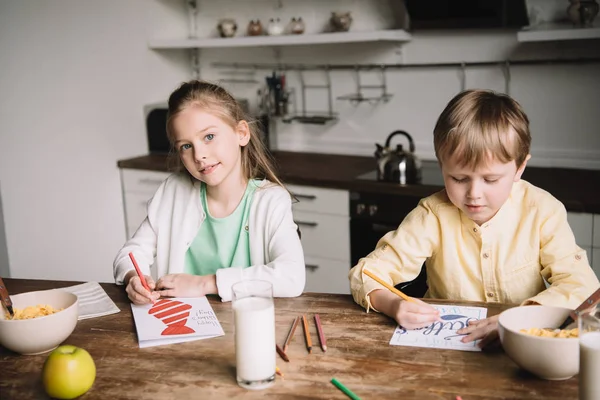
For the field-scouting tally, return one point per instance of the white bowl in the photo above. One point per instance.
(41, 334)
(545, 357)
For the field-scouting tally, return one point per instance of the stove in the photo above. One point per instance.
(372, 215)
(431, 174)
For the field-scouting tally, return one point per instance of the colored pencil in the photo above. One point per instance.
(290, 335)
(281, 353)
(322, 340)
(307, 334)
(387, 285)
(5, 298)
(344, 389)
(139, 272)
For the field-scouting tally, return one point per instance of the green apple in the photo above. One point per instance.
(68, 372)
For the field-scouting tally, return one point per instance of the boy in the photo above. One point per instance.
(489, 236)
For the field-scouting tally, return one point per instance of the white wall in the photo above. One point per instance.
(562, 101)
(75, 75)
(4, 270)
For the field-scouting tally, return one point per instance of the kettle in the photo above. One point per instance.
(398, 166)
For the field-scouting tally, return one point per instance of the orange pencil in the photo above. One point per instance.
(322, 340)
(290, 335)
(387, 285)
(139, 272)
(307, 334)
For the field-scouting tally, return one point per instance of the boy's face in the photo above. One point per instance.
(480, 192)
(209, 148)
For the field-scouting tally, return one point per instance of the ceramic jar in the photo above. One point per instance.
(255, 28)
(297, 26)
(340, 22)
(582, 12)
(227, 27)
(275, 27)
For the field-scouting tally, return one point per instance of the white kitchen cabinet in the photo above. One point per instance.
(324, 221)
(324, 275)
(581, 224)
(596, 261)
(596, 231)
(324, 235)
(138, 187)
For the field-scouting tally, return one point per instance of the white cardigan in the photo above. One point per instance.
(174, 217)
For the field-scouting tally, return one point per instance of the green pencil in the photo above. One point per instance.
(344, 389)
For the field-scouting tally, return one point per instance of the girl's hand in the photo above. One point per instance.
(414, 315)
(137, 293)
(186, 285)
(484, 328)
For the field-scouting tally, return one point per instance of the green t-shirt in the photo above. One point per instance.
(221, 242)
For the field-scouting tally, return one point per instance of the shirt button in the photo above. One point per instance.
(490, 294)
(474, 229)
(246, 228)
(384, 247)
(485, 255)
(578, 257)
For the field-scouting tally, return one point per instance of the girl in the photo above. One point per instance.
(226, 218)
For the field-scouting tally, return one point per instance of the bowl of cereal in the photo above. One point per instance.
(42, 321)
(530, 338)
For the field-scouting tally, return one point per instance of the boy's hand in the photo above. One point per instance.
(137, 293)
(484, 328)
(414, 314)
(186, 285)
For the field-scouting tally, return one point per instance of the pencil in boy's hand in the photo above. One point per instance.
(290, 335)
(281, 353)
(387, 285)
(344, 389)
(307, 334)
(322, 340)
(139, 272)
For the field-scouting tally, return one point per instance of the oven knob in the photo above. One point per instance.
(360, 208)
(372, 210)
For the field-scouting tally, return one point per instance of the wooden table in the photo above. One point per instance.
(358, 355)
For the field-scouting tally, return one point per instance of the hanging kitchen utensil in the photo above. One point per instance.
(359, 97)
(398, 166)
(306, 117)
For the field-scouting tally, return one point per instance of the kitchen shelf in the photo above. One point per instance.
(398, 35)
(557, 31)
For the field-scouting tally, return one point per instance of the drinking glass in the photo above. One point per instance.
(254, 326)
(589, 354)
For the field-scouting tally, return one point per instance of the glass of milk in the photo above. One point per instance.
(589, 354)
(254, 326)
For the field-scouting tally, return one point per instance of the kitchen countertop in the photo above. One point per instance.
(578, 189)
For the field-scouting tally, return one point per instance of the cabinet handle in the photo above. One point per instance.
(305, 196)
(151, 181)
(305, 223)
(311, 267)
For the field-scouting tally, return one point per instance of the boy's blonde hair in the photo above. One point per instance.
(257, 162)
(479, 124)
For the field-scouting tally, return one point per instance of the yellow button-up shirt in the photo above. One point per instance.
(505, 260)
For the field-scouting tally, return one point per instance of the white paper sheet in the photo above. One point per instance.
(93, 300)
(175, 320)
(442, 335)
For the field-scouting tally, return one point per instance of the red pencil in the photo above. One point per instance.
(281, 353)
(322, 340)
(139, 272)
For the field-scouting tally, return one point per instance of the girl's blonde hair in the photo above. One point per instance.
(257, 161)
(477, 124)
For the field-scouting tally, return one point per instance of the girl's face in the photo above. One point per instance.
(480, 192)
(209, 148)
